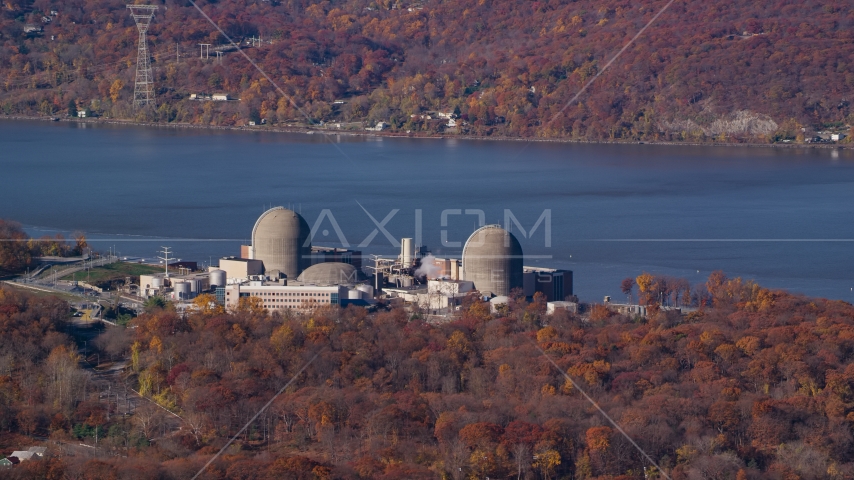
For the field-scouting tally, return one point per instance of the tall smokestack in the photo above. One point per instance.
(407, 252)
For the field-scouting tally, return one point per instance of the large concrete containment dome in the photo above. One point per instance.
(281, 240)
(492, 260)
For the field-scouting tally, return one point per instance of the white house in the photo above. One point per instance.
(22, 455)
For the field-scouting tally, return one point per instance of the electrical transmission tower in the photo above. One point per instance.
(143, 92)
(166, 251)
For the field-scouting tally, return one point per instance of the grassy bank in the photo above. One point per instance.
(41, 293)
(112, 272)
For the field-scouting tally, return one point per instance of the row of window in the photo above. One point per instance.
(273, 294)
(290, 294)
(294, 300)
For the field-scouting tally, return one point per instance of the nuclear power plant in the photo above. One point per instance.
(286, 273)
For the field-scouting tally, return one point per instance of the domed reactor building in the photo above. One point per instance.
(280, 239)
(492, 260)
(330, 273)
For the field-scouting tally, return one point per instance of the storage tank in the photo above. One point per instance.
(367, 291)
(354, 295)
(156, 283)
(281, 240)
(194, 285)
(218, 278)
(181, 290)
(492, 260)
(407, 252)
(495, 303)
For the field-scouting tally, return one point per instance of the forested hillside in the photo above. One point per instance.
(757, 384)
(18, 251)
(711, 70)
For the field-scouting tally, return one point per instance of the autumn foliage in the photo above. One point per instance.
(18, 251)
(703, 71)
(754, 384)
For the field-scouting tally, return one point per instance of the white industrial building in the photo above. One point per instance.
(324, 284)
(240, 269)
(552, 307)
(439, 294)
(285, 297)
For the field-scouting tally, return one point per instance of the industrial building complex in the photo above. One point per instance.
(284, 272)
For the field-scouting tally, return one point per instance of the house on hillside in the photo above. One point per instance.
(5, 462)
(32, 453)
(38, 451)
(216, 97)
(23, 455)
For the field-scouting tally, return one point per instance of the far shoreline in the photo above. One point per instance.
(325, 132)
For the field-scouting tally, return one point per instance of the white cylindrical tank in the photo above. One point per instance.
(354, 295)
(367, 291)
(194, 285)
(407, 252)
(181, 289)
(494, 303)
(218, 278)
(156, 282)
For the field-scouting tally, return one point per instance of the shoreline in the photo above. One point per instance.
(325, 132)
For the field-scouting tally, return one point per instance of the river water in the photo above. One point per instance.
(780, 216)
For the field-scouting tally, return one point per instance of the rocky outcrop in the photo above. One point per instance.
(742, 123)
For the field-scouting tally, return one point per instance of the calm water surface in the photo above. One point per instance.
(780, 216)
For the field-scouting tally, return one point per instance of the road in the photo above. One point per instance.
(86, 299)
(83, 265)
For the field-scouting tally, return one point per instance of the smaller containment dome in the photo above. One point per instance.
(330, 273)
